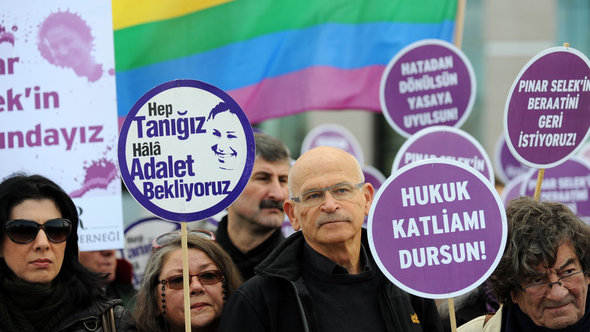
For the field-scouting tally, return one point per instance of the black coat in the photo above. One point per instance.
(276, 299)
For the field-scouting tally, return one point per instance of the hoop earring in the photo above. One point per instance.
(163, 297)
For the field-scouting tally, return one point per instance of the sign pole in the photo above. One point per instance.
(459, 20)
(539, 183)
(185, 278)
(452, 314)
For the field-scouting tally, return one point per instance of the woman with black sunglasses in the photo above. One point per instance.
(213, 277)
(43, 287)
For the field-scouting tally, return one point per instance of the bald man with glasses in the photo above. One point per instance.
(542, 279)
(323, 277)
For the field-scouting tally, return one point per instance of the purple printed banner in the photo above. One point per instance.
(335, 136)
(447, 143)
(429, 82)
(547, 112)
(512, 188)
(567, 183)
(437, 228)
(507, 167)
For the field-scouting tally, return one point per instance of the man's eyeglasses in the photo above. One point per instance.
(206, 278)
(538, 288)
(23, 231)
(167, 238)
(340, 191)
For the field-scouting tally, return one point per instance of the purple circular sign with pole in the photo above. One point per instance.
(437, 228)
(335, 136)
(446, 143)
(186, 150)
(429, 82)
(567, 183)
(547, 113)
(507, 167)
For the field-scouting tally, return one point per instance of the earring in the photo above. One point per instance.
(224, 286)
(163, 297)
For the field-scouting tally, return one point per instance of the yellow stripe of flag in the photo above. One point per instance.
(127, 13)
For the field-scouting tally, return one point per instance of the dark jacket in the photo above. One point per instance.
(277, 299)
(89, 319)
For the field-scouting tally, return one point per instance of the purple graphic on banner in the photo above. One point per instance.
(437, 228)
(65, 40)
(186, 150)
(429, 82)
(567, 183)
(547, 113)
(446, 143)
(98, 175)
(335, 136)
(507, 167)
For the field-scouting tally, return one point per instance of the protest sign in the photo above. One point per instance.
(186, 150)
(58, 111)
(429, 82)
(567, 183)
(547, 112)
(512, 189)
(335, 136)
(446, 143)
(437, 228)
(507, 167)
(138, 243)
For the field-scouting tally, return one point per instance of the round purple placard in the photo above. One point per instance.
(186, 150)
(567, 183)
(507, 167)
(429, 82)
(335, 136)
(437, 228)
(547, 113)
(585, 152)
(446, 143)
(512, 188)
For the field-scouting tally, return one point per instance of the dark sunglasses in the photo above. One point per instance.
(206, 278)
(23, 231)
(167, 238)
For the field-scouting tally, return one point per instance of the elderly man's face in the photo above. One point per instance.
(561, 305)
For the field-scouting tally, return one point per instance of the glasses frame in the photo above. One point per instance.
(551, 283)
(39, 226)
(219, 278)
(201, 232)
(297, 199)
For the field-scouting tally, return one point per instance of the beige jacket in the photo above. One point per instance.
(477, 324)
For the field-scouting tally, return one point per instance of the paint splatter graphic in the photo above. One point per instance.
(65, 40)
(7, 36)
(98, 176)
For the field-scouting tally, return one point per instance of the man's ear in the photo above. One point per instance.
(289, 208)
(369, 192)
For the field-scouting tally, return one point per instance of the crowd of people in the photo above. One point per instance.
(248, 277)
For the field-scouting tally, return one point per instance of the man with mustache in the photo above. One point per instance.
(323, 277)
(252, 227)
(542, 279)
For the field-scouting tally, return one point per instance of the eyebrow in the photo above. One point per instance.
(568, 262)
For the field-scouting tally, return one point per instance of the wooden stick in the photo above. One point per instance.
(539, 183)
(185, 278)
(459, 22)
(452, 315)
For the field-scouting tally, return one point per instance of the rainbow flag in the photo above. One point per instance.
(274, 57)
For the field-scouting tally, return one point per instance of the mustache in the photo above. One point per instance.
(336, 216)
(271, 204)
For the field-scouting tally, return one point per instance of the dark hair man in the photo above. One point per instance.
(542, 278)
(252, 227)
